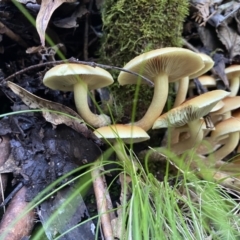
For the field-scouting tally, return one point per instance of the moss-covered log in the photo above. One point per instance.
(131, 27)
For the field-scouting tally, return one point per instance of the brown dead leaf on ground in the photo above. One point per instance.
(64, 115)
(10, 166)
(4, 154)
(44, 15)
(230, 39)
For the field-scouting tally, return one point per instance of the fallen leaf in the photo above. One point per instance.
(230, 39)
(218, 69)
(10, 166)
(61, 114)
(46, 10)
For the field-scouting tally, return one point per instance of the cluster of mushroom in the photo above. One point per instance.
(161, 66)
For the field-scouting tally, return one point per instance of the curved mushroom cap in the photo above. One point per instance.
(227, 126)
(232, 71)
(208, 64)
(127, 133)
(62, 77)
(190, 110)
(217, 107)
(230, 104)
(207, 81)
(175, 62)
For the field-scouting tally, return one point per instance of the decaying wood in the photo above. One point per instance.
(4, 154)
(14, 226)
(103, 202)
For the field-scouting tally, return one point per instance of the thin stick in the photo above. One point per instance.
(103, 202)
(73, 60)
(11, 195)
(17, 223)
(189, 46)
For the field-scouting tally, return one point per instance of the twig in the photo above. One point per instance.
(74, 60)
(18, 221)
(189, 46)
(12, 35)
(103, 201)
(11, 195)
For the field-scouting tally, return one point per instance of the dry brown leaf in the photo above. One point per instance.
(44, 15)
(230, 39)
(10, 166)
(55, 118)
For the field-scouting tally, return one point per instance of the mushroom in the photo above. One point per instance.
(119, 134)
(190, 113)
(206, 81)
(206, 125)
(161, 66)
(184, 82)
(230, 127)
(230, 104)
(233, 74)
(80, 79)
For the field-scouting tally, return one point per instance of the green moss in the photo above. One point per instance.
(131, 27)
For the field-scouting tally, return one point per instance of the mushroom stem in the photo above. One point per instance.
(180, 98)
(182, 91)
(234, 86)
(196, 136)
(158, 102)
(229, 146)
(80, 96)
(120, 151)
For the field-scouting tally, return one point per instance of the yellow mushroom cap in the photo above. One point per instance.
(230, 104)
(127, 133)
(233, 71)
(174, 62)
(227, 126)
(217, 107)
(207, 81)
(208, 64)
(190, 110)
(63, 77)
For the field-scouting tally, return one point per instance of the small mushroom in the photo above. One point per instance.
(233, 74)
(190, 113)
(161, 66)
(80, 79)
(230, 104)
(206, 81)
(119, 134)
(230, 127)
